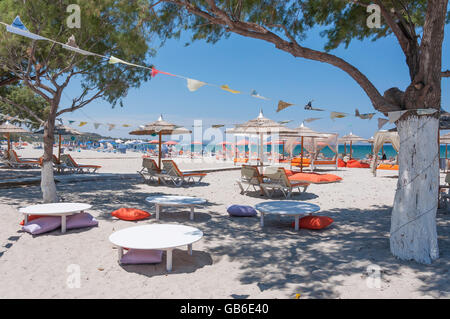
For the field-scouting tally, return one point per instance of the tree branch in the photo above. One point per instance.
(21, 107)
(446, 74)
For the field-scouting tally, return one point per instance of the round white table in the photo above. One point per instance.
(172, 200)
(55, 209)
(286, 208)
(156, 237)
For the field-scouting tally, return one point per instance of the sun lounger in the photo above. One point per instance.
(295, 162)
(67, 160)
(171, 173)
(150, 170)
(277, 179)
(15, 162)
(240, 160)
(327, 163)
(250, 177)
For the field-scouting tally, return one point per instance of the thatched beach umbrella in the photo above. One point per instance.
(303, 131)
(160, 128)
(9, 128)
(61, 130)
(260, 126)
(350, 138)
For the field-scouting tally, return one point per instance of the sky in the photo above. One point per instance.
(247, 64)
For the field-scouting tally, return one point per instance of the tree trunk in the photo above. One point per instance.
(413, 221)
(48, 186)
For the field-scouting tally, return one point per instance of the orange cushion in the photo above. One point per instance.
(288, 172)
(130, 214)
(315, 222)
(341, 163)
(30, 218)
(315, 178)
(388, 167)
(357, 164)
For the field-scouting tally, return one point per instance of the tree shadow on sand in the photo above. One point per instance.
(276, 256)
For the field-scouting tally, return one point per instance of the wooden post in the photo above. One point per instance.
(351, 142)
(160, 154)
(59, 150)
(301, 157)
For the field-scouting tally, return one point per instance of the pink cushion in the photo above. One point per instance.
(81, 220)
(142, 256)
(42, 225)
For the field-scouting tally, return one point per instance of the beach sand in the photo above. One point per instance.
(235, 259)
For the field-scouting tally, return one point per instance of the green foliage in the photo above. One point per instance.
(341, 21)
(108, 27)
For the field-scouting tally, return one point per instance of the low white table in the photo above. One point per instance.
(286, 208)
(172, 200)
(156, 237)
(55, 209)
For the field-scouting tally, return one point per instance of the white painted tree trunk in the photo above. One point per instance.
(48, 186)
(413, 221)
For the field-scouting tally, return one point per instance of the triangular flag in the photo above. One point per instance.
(17, 27)
(82, 124)
(382, 122)
(227, 88)
(126, 125)
(282, 105)
(217, 126)
(256, 95)
(156, 72)
(71, 122)
(97, 125)
(312, 119)
(339, 115)
(111, 126)
(284, 122)
(367, 116)
(394, 116)
(194, 85)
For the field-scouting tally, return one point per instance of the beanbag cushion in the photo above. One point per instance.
(241, 211)
(357, 164)
(30, 218)
(141, 256)
(314, 222)
(341, 163)
(130, 214)
(288, 172)
(388, 167)
(42, 225)
(314, 178)
(81, 220)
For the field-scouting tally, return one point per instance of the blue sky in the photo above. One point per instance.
(246, 64)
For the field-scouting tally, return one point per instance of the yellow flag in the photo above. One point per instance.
(82, 124)
(282, 105)
(126, 125)
(227, 88)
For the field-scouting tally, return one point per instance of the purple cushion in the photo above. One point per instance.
(81, 220)
(141, 256)
(42, 225)
(241, 211)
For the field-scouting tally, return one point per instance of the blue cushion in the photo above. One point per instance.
(241, 211)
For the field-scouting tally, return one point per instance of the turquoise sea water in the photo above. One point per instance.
(358, 151)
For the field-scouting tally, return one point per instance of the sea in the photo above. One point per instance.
(358, 151)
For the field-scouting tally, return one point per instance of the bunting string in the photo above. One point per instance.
(18, 28)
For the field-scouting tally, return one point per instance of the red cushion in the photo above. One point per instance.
(30, 218)
(341, 163)
(130, 214)
(314, 178)
(315, 222)
(357, 164)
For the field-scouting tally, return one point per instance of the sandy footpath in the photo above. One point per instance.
(236, 258)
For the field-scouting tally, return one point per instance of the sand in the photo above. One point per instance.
(235, 259)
